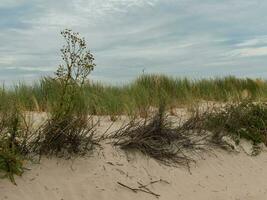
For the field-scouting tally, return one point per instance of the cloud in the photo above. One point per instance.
(6, 60)
(177, 37)
(11, 3)
(258, 41)
(249, 52)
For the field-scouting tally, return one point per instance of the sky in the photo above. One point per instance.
(192, 38)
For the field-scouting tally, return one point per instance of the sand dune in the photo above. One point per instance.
(217, 175)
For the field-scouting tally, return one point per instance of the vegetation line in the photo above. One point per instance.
(137, 97)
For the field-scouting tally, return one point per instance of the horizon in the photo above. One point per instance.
(182, 38)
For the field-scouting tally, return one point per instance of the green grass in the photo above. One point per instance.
(13, 135)
(245, 120)
(138, 96)
(10, 164)
(239, 120)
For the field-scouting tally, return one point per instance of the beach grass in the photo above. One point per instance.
(66, 132)
(136, 98)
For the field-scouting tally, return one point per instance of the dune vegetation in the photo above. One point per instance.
(138, 96)
(70, 100)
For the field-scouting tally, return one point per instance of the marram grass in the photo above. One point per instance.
(138, 96)
(133, 99)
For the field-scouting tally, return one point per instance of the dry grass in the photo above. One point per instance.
(65, 137)
(157, 138)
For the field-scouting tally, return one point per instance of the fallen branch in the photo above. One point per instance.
(157, 181)
(135, 190)
(147, 189)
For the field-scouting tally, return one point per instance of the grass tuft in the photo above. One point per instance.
(13, 138)
(246, 120)
(157, 138)
(241, 120)
(64, 137)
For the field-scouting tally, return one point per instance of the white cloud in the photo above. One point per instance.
(249, 52)
(104, 6)
(260, 40)
(6, 60)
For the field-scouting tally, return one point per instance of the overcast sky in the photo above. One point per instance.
(194, 38)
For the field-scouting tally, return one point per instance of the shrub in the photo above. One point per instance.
(10, 163)
(66, 131)
(242, 120)
(14, 134)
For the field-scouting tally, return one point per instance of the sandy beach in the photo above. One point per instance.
(217, 174)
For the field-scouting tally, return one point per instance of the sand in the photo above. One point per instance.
(218, 175)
